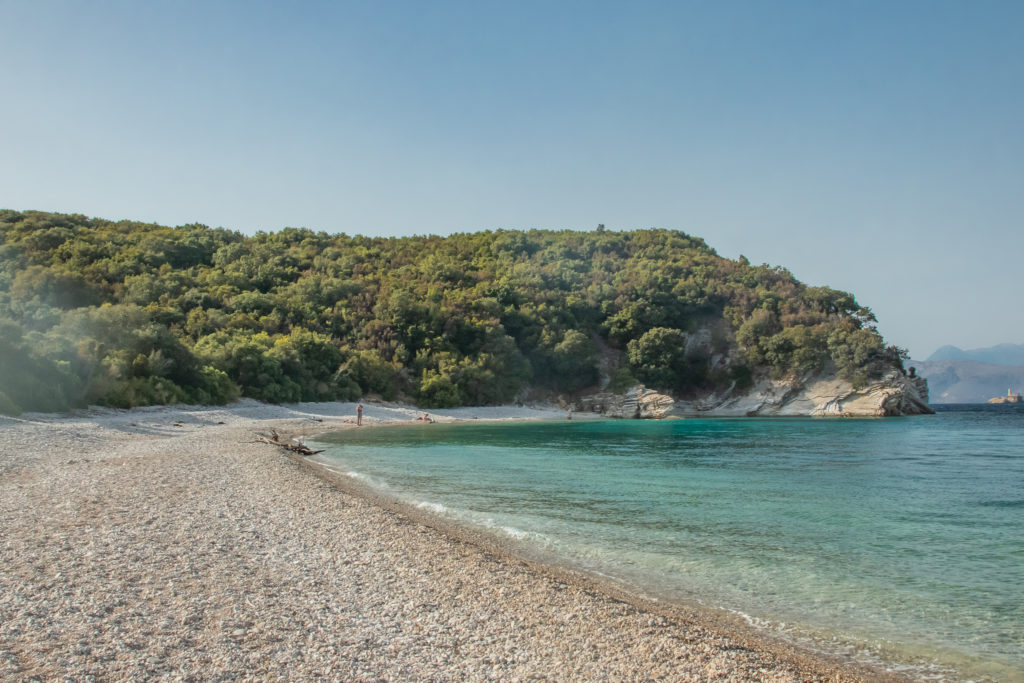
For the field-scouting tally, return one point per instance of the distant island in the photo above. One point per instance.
(1009, 398)
(967, 381)
(641, 323)
(1000, 354)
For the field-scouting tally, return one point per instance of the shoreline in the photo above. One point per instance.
(165, 542)
(820, 665)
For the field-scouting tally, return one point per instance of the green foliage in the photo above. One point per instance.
(375, 375)
(574, 361)
(742, 376)
(215, 388)
(859, 355)
(250, 361)
(142, 391)
(658, 357)
(7, 406)
(439, 387)
(799, 348)
(29, 379)
(126, 313)
(621, 380)
(54, 286)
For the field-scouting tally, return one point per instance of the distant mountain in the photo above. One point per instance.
(968, 381)
(948, 352)
(1001, 354)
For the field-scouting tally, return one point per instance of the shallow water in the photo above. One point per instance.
(898, 541)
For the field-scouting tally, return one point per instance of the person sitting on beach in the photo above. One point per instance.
(425, 418)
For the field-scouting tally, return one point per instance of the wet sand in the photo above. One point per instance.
(166, 543)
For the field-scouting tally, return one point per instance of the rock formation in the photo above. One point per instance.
(638, 402)
(892, 395)
(820, 395)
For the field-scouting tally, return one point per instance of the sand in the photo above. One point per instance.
(165, 543)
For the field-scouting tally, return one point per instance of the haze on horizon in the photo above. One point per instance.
(873, 147)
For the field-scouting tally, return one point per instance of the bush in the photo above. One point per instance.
(742, 376)
(658, 358)
(622, 380)
(438, 390)
(142, 391)
(216, 388)
(574, 361)
(373, 374)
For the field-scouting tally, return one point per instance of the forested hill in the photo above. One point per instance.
(125, 313)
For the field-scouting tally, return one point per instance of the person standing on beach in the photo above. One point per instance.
(359, 414)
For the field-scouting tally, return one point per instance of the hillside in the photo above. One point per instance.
(125, 313)
(968, 381)
(1000, 354)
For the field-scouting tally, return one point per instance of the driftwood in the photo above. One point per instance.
(275, 440)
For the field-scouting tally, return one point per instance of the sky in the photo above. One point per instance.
(874, 147)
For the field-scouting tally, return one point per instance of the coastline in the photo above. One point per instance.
(165, 542)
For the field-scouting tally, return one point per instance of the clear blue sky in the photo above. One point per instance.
(877, 147)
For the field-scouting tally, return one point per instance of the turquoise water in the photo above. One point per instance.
(898, 541)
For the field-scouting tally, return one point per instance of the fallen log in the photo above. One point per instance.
(275, 440)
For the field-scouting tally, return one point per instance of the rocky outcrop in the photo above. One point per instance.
(823, 395)
(892, 395)
(639, 402)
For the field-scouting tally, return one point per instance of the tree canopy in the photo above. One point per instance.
(126, 313)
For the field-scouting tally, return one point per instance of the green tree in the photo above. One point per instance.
(126, 313)
(658, 358)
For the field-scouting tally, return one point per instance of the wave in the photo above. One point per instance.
(436, 508)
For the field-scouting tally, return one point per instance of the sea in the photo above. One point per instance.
(895, 542)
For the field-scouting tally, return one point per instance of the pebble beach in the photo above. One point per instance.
(169, 544)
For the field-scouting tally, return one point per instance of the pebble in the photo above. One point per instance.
(170, 528)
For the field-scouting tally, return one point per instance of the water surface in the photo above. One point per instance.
(898, 541)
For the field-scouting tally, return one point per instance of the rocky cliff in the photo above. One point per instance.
(892, 395)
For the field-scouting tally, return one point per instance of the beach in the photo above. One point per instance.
(168, 543)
